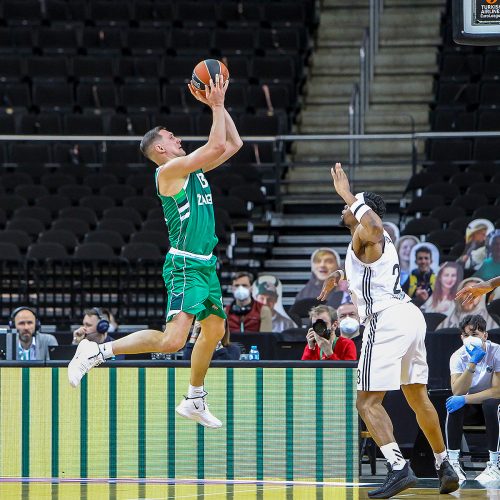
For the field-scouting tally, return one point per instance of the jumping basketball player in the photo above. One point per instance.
(393, 353)
(190, 267)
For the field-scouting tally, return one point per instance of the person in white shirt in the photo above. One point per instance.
(475, 383)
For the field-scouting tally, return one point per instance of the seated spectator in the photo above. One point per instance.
(224, 349)
(420, 284)
(31, 344)
(442, 299)
(323, 262)
(322, 343)
(491, 265)
(113, 324)
(245, 314)
(392, 230)
(268, 290)
(95, 327)
(477, 306)
(403, 247)
(475, 243)
(349, 327)
(475, 382)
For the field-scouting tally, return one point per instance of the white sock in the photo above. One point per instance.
(454, 455)
(494, 457)
(195, 391)
(393, 455)
(106, 350)
(440, 457)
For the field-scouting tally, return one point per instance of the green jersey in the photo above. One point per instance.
(189, 216)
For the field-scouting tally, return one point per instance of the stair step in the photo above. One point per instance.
(317, 239)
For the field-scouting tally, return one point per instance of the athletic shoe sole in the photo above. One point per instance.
(403, 484)
(196, 418)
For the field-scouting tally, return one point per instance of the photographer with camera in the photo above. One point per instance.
(322, 343)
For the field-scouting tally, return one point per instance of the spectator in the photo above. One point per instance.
(113, 324)
(491, 265)
(95, 327)
(392, 230)
(245, 314)
(31, 344)
(349, 326)
(475, 243)
(327, 345)
(421, 282)
(403, 247)
(323, 262)
(268, 291)
(442, 299)
(224, 349)
(475, 307)
(475, 383)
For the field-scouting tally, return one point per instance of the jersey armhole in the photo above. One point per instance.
(174, 196)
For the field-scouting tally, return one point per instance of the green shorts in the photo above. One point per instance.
(192, 287)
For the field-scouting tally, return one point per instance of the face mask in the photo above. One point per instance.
(241, 293)
(348, 326)
(472, 341)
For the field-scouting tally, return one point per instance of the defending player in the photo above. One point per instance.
(471, 292)
(393, 352)
(189, 271)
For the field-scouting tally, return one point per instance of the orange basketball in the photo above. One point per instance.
(206, 70)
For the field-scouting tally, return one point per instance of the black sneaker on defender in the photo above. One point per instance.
(448, 478)
(395, 482)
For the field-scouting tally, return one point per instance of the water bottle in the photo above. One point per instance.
(254, 354)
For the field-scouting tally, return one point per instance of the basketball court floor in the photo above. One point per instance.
(102, 489)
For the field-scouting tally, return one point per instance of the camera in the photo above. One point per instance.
(320, 328)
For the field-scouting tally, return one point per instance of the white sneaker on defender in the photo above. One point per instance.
(491, 473)
(197, 409)
(87, 356)
(458, 469)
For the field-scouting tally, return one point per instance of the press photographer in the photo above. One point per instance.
(322, 343)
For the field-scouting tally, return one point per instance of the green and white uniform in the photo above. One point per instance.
(189, 271)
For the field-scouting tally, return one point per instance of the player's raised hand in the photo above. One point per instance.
(198, 94)
(328, 285)
(471, 292)
(216, 91)
(340, 180)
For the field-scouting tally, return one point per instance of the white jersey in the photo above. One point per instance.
(375, 287)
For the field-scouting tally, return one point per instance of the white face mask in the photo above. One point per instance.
(349, 326)
(241, 293)
(472, 341)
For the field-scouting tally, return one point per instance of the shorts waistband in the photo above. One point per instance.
(175, 251)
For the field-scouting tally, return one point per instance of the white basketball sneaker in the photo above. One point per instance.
(458, 469)
(491, 473)
(87, 356)
(197, 409)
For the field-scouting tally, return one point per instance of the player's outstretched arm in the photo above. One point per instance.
(233, 139)
(371, 229)
(471, 292)
(215, 147)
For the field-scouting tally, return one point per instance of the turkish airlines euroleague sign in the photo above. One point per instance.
(487, 11)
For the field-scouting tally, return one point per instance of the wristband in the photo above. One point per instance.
(359, 207)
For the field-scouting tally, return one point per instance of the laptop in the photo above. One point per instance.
(62, 352)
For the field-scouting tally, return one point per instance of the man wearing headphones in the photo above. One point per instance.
(94, 327)
(31, 345)
(245, 314)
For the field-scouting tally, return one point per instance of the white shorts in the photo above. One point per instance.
(393, 352)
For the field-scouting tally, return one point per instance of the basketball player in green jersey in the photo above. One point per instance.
(189, 271)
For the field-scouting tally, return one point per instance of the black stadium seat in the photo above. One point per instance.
(16, 237)
(157, 238)
(445, 214)
(445, 189)
(124, 227)
(112, 239)
(76, 226)
(74, 192)
(30, 192)
(94, 252)
(421, 226)
(9, 252)
(65, 238)
(29, 225)
(141, 251)
(47, 251)
(424, 204)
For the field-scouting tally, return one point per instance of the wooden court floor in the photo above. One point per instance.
(159, 490)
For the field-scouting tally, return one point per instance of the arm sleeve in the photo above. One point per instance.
(52, 341)
(310, 354)
(344, 350)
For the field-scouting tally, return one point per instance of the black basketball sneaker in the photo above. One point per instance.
(448, 478)
(395, 482)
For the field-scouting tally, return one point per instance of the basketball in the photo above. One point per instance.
(206, 70)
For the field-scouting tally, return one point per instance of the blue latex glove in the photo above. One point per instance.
(454, 403)
(476, 353)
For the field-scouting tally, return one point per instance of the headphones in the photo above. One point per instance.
(15, 312)
(103, 323)
(240, 310)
